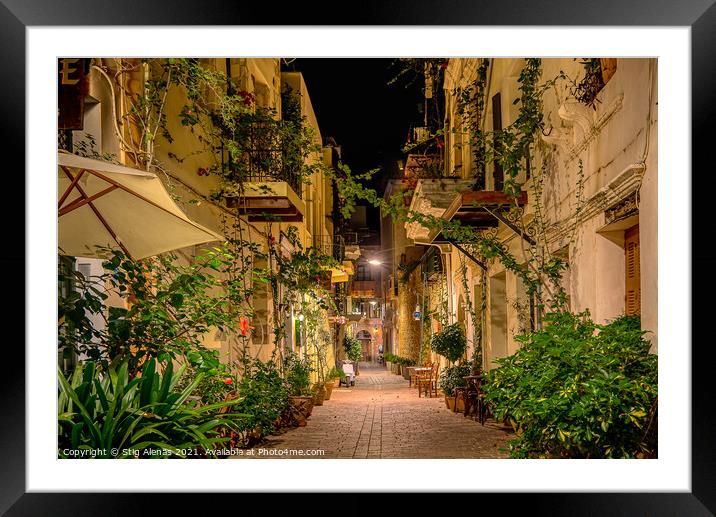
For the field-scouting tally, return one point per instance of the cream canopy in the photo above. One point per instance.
(103, 204)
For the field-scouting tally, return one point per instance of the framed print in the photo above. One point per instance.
(659, 61)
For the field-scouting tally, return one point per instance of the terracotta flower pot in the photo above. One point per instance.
(319, 395)
(329, 390)
(450, 402)
(300, 408)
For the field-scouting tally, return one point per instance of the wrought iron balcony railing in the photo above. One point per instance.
(268, 155)
(331, 245)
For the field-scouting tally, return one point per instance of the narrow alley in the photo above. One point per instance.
(381, 417)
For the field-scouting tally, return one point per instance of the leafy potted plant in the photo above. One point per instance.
(450, 342)
(389, 359)
(298, 379)
(602, 375)
(407, 367)
(354, 350)
(333, 377)
(106, 410)
(451, 378)
(319, 393)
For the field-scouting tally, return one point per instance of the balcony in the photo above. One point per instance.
(363, 289)
(423, 166)
(334, 246)
(331, 245)
(433, 197)
(269, 168)
(352, 249)
(453, 199)
(478, 208)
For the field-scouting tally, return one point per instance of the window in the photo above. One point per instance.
(66, 358)
(85, 269)
(363, 272)
(632, 302)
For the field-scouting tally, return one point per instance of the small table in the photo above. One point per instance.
(417, 371)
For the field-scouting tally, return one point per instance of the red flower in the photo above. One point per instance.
(243, 325)
(248, 98)
(228, 380)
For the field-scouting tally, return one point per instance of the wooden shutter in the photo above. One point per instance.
(609, 68)
(498, 174)
(632, 305)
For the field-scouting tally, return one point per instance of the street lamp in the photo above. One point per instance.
(375, 262)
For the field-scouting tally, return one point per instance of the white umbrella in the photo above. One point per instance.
(103, 204)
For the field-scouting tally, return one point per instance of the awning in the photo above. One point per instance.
(104, 204)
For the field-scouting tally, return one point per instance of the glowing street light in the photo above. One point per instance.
(375, 262)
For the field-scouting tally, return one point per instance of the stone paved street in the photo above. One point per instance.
(381, 417)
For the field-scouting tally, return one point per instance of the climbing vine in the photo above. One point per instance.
(238, 140)
(512, 148)
(475, 316)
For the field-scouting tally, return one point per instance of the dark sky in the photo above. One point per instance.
(354, 104)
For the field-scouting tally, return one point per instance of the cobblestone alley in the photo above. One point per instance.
(381, 417)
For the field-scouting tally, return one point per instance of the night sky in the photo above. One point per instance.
(354, 104)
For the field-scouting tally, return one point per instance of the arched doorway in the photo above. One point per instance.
(366, 341)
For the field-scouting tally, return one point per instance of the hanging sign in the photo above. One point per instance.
(72, 88)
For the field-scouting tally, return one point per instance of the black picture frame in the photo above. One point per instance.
(700, 15)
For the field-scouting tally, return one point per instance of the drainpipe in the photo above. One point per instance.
(448, 278)
(421, 296)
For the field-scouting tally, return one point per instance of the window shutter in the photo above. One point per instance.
(632, 305)
(498, 173)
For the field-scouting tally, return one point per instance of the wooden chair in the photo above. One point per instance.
(429, 382)
(474, 398)
(412, 377)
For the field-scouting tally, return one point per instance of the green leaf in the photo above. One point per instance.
(147, 382)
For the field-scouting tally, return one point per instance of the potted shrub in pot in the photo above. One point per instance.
(454, 377)
(298, 379)
(319, 393)
(407, 368)
(332, 379)
(354, 351)
(450, 342)
(388, 359)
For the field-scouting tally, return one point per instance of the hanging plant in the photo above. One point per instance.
(587, 89)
